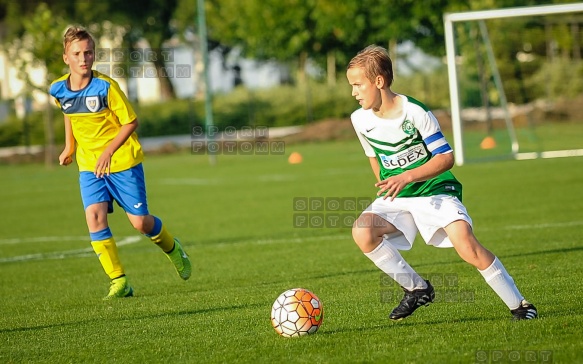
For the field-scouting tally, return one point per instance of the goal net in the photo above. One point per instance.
(516, 82)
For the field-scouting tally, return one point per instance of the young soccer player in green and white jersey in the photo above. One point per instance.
(411, 160)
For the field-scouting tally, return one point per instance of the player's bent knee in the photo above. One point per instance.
(96, 216)
(139, 225)
(362, 233)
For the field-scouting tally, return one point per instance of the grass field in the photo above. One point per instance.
(567, 135)
(236, 220)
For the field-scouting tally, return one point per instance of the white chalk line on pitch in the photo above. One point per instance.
(347, 236)
(222, 181)
(42, 239)
(276, 241)
(134, 239)
(67, 253)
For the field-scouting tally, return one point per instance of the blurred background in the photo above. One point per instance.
(281, 63)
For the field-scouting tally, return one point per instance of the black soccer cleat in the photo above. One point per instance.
(526, 311)
(412, 301)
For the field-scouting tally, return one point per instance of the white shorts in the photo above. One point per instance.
(426, 215)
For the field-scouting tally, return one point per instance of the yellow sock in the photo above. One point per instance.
(106, 251)
(164, 240)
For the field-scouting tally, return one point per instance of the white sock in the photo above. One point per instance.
(389, 260)
(502, 283)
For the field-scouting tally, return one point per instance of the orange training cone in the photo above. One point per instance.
(295, 158)
(488, 143)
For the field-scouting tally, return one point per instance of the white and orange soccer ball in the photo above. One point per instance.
(296, 312)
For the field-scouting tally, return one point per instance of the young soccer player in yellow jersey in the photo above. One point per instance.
(100, 127)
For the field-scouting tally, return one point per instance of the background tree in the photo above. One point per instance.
(327, 32)
(151, 20)
(338, 32)
(40, 46)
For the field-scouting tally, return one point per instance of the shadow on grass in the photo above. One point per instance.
(415, 266)
(504, 256)
(542, 252)
(427, 264)
(392, 325)
(121, 319)
(325, 276)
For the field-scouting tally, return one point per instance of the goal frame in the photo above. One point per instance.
(449, 19)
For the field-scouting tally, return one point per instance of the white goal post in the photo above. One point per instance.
(449, 20)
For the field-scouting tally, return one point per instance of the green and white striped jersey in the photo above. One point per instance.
(406, 143)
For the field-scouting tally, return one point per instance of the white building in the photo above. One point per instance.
(138, 78)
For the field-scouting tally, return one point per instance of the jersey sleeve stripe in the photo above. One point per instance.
(441, 150)
(437, 144)
(430, 139)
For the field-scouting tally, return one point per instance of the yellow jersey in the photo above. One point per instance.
(97, 113)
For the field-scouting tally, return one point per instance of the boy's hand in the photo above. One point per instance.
(392, 185)
(103, 166)
(65, 158)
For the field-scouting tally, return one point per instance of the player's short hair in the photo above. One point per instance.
(375, 61)
(76, 32)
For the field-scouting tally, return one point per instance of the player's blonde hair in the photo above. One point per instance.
(76, 32)
(375, 61)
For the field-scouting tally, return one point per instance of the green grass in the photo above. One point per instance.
(236, 221)
(550, 136)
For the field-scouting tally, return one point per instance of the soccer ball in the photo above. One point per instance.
(296, 312)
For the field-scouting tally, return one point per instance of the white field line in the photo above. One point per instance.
(347, 236)
(260, 178)
(67, 253)
(277, 241)
(134, 239)
(222, 181)
(42, 239)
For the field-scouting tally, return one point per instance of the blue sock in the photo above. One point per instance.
(156, 229)
(101, 234)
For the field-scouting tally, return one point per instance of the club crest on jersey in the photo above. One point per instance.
(408, 127)
(92, 103)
